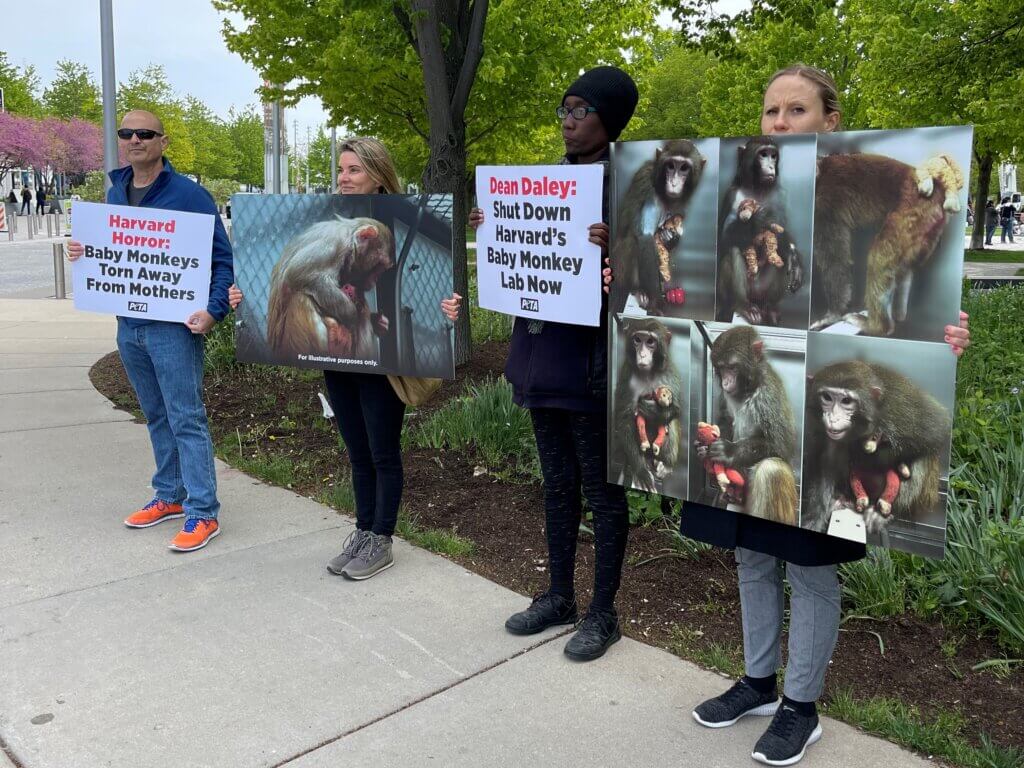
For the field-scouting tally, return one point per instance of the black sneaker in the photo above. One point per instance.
(787, 738)
(596, 633)
(738, 701)
(546, 610)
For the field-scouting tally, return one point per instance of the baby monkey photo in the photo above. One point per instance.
(876, 444)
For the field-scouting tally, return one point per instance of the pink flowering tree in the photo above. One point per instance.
(21, 142)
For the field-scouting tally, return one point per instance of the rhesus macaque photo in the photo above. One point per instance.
(649, 401)
(662, 227)
(348, 282)
(764, 230)
(747, 390)
(876, 446)
(889, 231)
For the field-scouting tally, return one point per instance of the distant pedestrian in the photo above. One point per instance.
(1007, 214)
(40, 200)
(991, 220)
(26, 201)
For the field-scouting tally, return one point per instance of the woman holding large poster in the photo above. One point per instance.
(798, 99)
(369, 412)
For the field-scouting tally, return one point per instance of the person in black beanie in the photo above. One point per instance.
(559, 372)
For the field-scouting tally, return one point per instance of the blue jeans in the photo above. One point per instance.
(370, 417)
(164, 362)
(1007, 232)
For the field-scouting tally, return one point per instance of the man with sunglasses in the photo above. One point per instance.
(164, 360)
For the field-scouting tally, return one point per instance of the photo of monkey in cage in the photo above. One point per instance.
(889, 221)
(348, 283)
(877, 441)
(747, 396)
(665, 203)
(649, 401)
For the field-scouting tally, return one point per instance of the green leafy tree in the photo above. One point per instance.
(246, 130)
(215, 153)
(319, 158)
(934, 62)
(414, 74)
(73, 93)
(20, 88)
(671, 106)
(92, 187)
(752, 45)
(221, 189)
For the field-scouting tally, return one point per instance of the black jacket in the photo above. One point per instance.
(556, 365)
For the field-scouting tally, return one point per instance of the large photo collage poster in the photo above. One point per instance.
(777, 323)
(345, 282)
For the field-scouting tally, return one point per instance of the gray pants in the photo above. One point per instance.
(813, 621)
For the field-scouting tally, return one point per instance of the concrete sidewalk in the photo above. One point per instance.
(115, 651)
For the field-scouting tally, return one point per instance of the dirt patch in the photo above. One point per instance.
(687, 606)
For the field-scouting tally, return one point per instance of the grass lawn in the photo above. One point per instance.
(994, 255)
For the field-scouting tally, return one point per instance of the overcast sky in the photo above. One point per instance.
(183, 35)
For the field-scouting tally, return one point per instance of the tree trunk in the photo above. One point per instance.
(985, 163)
(448, 74)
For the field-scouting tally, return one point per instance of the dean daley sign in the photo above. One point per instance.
(533, 254)
(142, 262)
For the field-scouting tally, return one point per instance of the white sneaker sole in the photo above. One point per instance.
(206, 541)
(764, 710)
(368, 575)
(155, 522)
(815, 735)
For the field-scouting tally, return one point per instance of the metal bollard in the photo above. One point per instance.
(49, 227)
(28, 226)
(58, 271)
(56, 222)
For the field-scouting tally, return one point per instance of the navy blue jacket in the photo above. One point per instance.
(173, 192)
(562, 366)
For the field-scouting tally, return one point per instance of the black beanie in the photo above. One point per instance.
(611, 92)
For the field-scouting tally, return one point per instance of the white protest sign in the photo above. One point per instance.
(142, 262)
(533, 254)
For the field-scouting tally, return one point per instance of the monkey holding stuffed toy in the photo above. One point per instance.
(726, 476)
(765, 245)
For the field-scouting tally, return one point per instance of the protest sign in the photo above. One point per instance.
(533, 254)
(345, 282)
(810, 383)
(142, 262)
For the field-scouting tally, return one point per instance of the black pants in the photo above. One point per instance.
(40, 206)
(370, 418)
(573, 455)
(26, 207)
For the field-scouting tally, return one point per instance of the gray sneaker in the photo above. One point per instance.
(352, 544)
(372, 558)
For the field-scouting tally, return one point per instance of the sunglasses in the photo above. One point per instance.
(143, 133)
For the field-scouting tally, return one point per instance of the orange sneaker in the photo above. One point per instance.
(154, 513)
(195, 535)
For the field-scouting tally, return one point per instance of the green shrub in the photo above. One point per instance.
(485, 324)
(485, 420)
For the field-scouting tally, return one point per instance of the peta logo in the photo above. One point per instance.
(529, 305)
(138, 306)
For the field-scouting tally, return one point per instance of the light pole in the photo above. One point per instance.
(109, 88)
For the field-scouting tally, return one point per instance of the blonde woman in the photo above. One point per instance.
(368, 412)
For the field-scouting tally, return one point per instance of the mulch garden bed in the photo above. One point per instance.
(686, 606)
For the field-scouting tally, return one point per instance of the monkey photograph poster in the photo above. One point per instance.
(765, 230)
(877, 440)
(746, 394)
(345, 282)
(663, 227)
(649, 398)
(889, 221)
